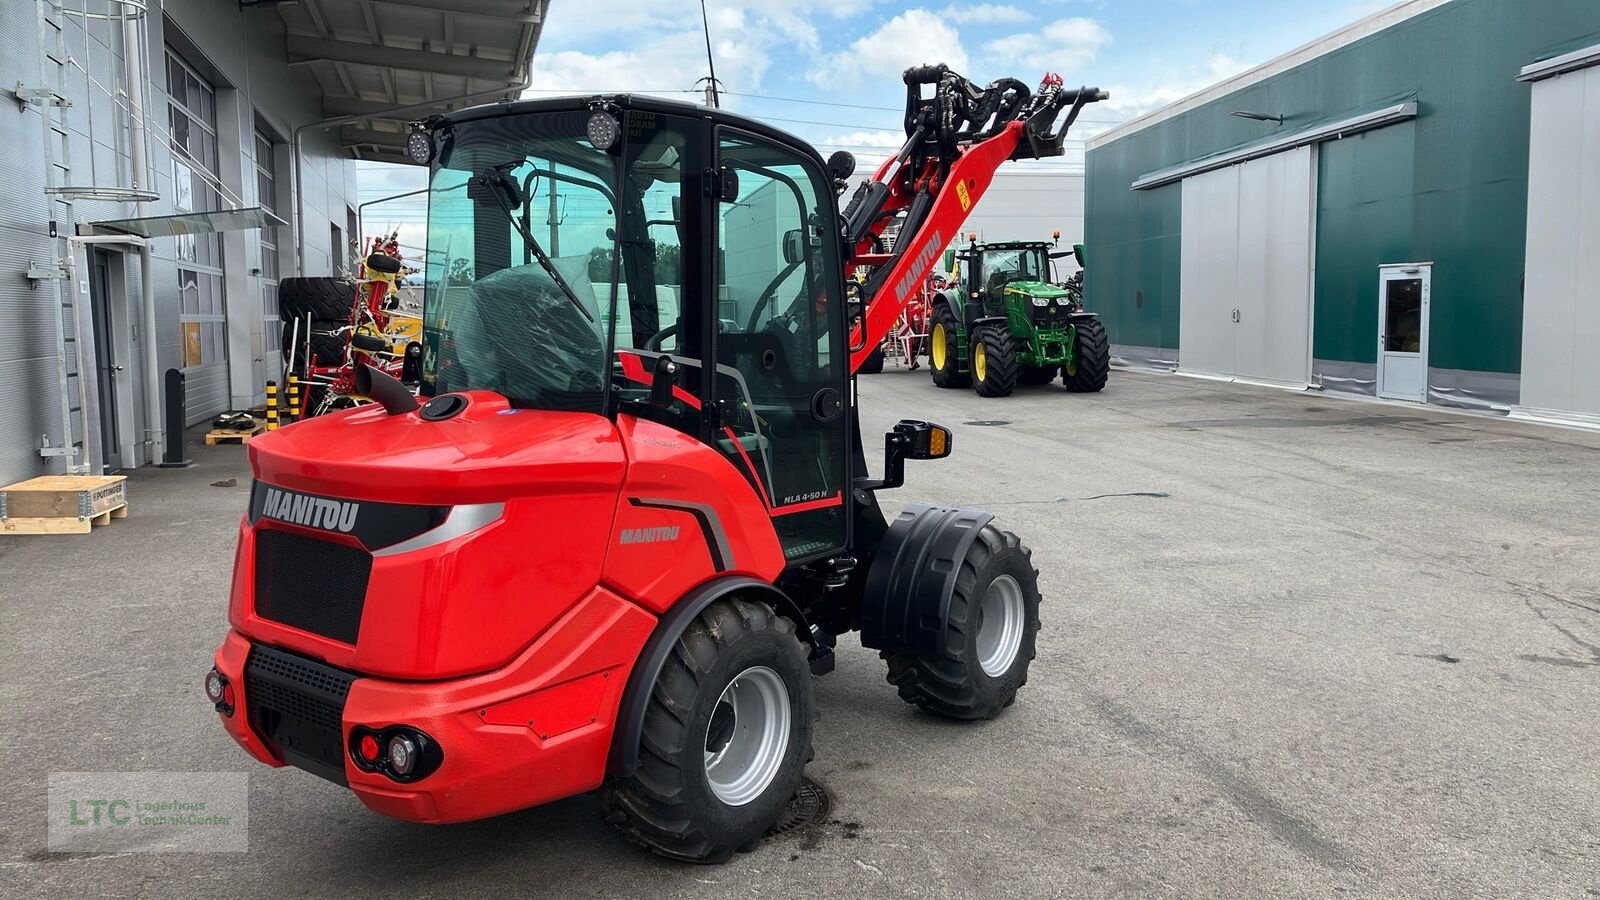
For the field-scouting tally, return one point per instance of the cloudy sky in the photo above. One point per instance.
(829, 70)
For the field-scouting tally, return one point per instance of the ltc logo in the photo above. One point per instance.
(117, 812)
(313, 512)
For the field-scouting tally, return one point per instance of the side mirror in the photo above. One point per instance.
(662, 381)
(794, 246)
(923, 440)
(910, 439)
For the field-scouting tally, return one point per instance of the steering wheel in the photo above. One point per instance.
(655, 341)
(766, 296)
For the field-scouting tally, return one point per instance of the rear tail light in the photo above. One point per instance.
(219, 692)
(399, 752)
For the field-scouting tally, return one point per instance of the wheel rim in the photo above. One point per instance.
(980, 361)
(937, 352)
(1072, 368)
(1000, 623)
(748, 736)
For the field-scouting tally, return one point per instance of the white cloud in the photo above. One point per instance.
(660, 48)
(889, 139)
(913, 38)
(986, 13)
(1132, 101)
(1066, 45)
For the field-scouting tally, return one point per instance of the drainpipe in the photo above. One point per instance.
(133, 59)
(294, 146)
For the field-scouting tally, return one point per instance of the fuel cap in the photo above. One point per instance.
(443, 407)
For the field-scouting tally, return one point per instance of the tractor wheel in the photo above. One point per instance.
(1037, 375)
(994, 361)
(1091, 359)
(324, 298)
(989, 638)
(725, 739)
(873, 364)
(943, 357)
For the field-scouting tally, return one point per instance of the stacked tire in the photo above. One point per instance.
(326, 304)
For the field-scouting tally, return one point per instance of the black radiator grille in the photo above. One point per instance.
(297, 705)
(310, 584)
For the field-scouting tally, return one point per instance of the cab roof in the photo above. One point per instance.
(641, 102)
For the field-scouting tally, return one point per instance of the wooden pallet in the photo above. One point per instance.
(62, 504)
(233, 435)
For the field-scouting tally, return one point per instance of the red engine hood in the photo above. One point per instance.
(488, 453)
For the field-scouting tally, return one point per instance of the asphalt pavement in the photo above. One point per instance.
(1294, 646)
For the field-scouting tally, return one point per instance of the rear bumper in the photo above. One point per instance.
(537, 730)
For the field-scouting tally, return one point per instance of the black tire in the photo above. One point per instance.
(370, 343)
(1091, 359)
(1000, 368)
(873, 364)
(954, 684)
(327, 343)
(1037, 375)
(950, 376)
(382, 262)
(669, 804)
(328, 299)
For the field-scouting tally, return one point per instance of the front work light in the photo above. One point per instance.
(603, 129)
(419, 146)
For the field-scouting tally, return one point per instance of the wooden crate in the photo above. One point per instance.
(62, 504)
(233, 435)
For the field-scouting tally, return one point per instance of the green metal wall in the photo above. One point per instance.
(1450, 187)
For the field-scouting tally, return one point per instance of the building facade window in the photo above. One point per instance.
(271, 261)
(192, 122)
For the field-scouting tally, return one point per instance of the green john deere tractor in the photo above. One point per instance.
(1005, 322)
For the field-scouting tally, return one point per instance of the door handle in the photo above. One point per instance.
(1236, 316)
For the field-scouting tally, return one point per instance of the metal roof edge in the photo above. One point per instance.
(1560, 65)
(1344, 37)
(1377, 118)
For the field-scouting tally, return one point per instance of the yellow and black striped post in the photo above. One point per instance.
(294, 398)
(272, 406)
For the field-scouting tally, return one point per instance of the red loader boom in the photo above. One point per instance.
(956, 138)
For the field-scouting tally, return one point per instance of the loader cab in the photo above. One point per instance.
(633, 257)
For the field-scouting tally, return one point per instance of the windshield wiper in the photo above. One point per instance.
(497, 188)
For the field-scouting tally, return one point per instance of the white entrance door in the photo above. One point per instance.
(1245, 309)
(1209, 267)
(1403, 332)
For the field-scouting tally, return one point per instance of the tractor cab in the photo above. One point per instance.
(991, 268)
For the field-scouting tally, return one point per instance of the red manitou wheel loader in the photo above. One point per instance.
(621, 534)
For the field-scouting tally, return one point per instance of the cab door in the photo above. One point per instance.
(782, 372)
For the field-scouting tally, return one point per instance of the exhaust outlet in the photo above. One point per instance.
(384, 388)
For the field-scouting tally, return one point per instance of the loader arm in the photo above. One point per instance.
(956, 139)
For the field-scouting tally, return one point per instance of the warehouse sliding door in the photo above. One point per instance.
(1245, 306)
(1561, 304)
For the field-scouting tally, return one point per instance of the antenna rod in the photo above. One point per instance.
(711, 63)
